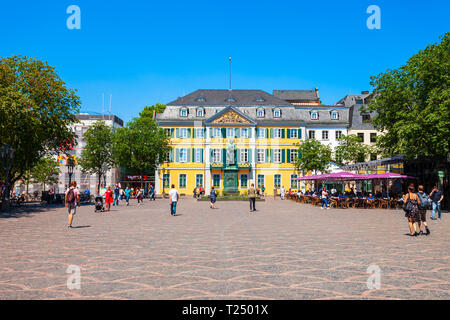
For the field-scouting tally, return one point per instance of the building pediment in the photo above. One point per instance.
(230, 115)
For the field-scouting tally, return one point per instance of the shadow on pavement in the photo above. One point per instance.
(28, 210)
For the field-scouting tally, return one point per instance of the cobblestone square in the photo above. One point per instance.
(285, 250)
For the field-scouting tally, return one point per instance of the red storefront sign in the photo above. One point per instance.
(135, 178)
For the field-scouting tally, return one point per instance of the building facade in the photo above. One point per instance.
(230, 139)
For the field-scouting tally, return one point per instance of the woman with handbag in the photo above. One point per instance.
(411, 202)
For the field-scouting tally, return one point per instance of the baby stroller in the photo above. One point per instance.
(99, 204)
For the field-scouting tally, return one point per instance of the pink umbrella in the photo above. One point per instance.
(386, 175)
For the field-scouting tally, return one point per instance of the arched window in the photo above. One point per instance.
(277, 113)
(260, 113)
(200, 112)
(334, 115)
(183, 112)
(314, 115)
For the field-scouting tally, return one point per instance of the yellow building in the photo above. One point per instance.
(230, 139)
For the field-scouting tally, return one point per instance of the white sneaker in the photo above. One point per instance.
(321, 208)
(328, 208)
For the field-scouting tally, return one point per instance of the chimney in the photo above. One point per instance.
(317, 95)
(364, 92)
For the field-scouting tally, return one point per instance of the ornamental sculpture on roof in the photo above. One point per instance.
(230, 117)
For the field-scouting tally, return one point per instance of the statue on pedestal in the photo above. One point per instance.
(231, 153)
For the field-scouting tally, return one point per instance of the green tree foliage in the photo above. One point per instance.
(97, 157)
(351, 150)
(45, 171)
(36, 111)
(313, 156)
(142, 145)
(413, 104)
(148, 110)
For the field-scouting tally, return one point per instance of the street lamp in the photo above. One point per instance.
(7, 156)
(70, 167)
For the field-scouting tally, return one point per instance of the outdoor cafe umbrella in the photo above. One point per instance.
(384, 176)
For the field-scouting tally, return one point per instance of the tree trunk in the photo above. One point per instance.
(99, 181)
(142, 179)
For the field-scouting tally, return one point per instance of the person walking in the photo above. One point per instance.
(71, 200)
(422, 221)
(195, 192)
(212, 198)
(282, 192)
(152, 192)
(116, 195)
(252, 197)
(127, 195)
(108, 198)
(411, 204)
(173, 196)
(436, 196)
(324, 199)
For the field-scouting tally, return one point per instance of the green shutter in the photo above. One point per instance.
(171, 155)
(249, 155)
(188, 153)
(267, 157)
(189, 132)
(299, 134)
(288, 133)
(224, 156)
(237, 132)
(250, 132)
(178, 132)
(211, 155)
(238, 156)
(267, 133)
(224, 132)
(283, 155)
(171, 132)
(193, 133)
(201, 155)
(271, 132)
(282, 133)
(271, 155)
(210, 132)
(193, 155)
(177, 153)
(288, 160)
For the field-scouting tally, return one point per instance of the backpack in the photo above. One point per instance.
(70, 196)
(424, 201)
(407, 205)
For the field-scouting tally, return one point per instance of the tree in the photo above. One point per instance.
(45, 171)
(313, 156)
(142, 145)
(97, 157)
(413, 104)
(148, 110)
(351, 149)
(36, 112)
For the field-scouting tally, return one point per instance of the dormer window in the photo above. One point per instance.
(334, 115)
(314, 115)
(260, 113)
(200, 99)
(230, 98)
(184, 112)
(277, 113)
(259, 99)
(200, 112)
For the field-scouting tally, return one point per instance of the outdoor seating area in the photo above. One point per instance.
(351, 199)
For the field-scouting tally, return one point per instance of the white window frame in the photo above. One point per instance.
(259, 158)
(281, 180)
(201, 131)
(338, 134)
(313, 134)
(182, 111)
(277, 154)
(293, 155)
(200, 112)
(183, 152)
(316, 114)
(275, 112)
(243, 157)
(217, 155)
(277, 133)
(217, 133)
(297, 181)
(327, 133)
(185, 181)
(263, 131)
(183, 133)
(229, 130)
(264, 179)
(292, 133)
(240, 180)
(246, 133)
(258, 113)
(198, 155)
(334, 115)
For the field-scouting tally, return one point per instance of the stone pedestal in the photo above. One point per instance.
(230, 181)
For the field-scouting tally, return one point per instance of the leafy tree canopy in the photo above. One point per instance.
(413, 104)
(45, 171)
(351, 149)
(142, 145)
(36, 111)
(148, 110)
(97, 157)
(313, 156)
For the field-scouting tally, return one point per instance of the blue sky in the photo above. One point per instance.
(143, 52)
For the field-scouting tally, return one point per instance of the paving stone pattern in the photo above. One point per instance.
(285, 250)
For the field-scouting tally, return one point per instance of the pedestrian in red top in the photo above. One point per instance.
(108, 198)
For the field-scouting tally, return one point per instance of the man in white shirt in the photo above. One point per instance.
(173, 196)
(282, 192)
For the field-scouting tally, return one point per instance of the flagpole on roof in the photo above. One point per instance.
(229, 58)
